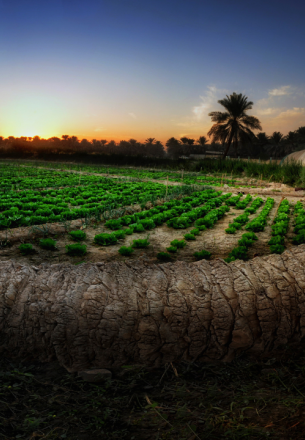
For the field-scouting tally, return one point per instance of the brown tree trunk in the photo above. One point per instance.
(112, 314)
(228, 146)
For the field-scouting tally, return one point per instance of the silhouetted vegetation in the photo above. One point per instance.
(152, 152)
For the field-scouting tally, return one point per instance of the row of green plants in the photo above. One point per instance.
(50, 206)
(258, 223)
(49, 244)
(157, 216)
(280, 228)
(242, 219)
(299, 224)
(241, 251)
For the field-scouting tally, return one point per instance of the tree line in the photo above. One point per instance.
(231, 134)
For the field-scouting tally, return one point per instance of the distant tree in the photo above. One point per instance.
(276, 147)
(65, 137)
(174, 148)
(291, 142)
(153, 148)
(202, 140)
(234, 125)
(103, 142)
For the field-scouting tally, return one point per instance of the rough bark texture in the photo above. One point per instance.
(108, 315)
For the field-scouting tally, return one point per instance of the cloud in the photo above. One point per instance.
(132, 115)
(284, 90)
(208, 100)
(268, 111)
(291, 113)
(99, 129)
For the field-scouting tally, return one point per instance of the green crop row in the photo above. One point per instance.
(279, 228)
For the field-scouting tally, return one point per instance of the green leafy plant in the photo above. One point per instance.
(126, 251)
(48, 243)
(202, 255)
(195, 231)
(77, 235)
(190, 237)
(26, 248)
(164, 256)
(119, 234)
(141, 243)
(172, 249)
(277, 248)
(76, 250)
(178, 243)
(105, 239)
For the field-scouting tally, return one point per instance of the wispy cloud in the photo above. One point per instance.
(207, 102)
(132, 115)
(99, 129)
(292, 113)
(281, 91)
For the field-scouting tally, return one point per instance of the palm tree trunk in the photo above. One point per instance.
(111, 314)
(228, 146)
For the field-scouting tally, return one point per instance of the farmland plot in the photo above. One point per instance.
(95, 218)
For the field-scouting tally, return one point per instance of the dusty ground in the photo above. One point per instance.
(215, 240)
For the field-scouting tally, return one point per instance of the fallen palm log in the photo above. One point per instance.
(112, 314)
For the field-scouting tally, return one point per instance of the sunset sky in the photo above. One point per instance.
(120, 69)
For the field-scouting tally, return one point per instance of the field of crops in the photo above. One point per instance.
(56, 215)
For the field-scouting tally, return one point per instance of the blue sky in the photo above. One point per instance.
(119, 69)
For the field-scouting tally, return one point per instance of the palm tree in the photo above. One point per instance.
(234, 124)
(276, 147)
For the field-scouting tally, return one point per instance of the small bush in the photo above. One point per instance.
(178, 243)
(229, 259)
(172, 249)
(195, 231)
(48, 243)
(105, 239)
(77, 235)
(119, 234)
(202, 255)
(164, 256)
(141, 243)
(277, 249)
(277, 239)
(126, 251)
(300, 238)
(76, 250)
(26, 248)
(190, 237)
(201, 228)
(139, 227)
(230, 230)
(113, 224)
(128, 231)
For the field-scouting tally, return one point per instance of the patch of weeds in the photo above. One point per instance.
(26, 248)
(76, 250)
(77, 235)
(47, 243)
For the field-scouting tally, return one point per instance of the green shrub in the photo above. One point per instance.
(105, 239)
(129, 231)
(178, 243)
(277, 249)
(141, 243)
(201, 228)
(113, 224)
(26, 248)
(48, 243)
(77, 235)
(229, 259)
(230, 230)
(139, 228)
(300, 238)
(239, 253)
(126, 251)
(119, 234)
(190, 237)
(202, 255)
(76, 250)
(195, 231)
(172, 249)
(277, 239)
(164, 256)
